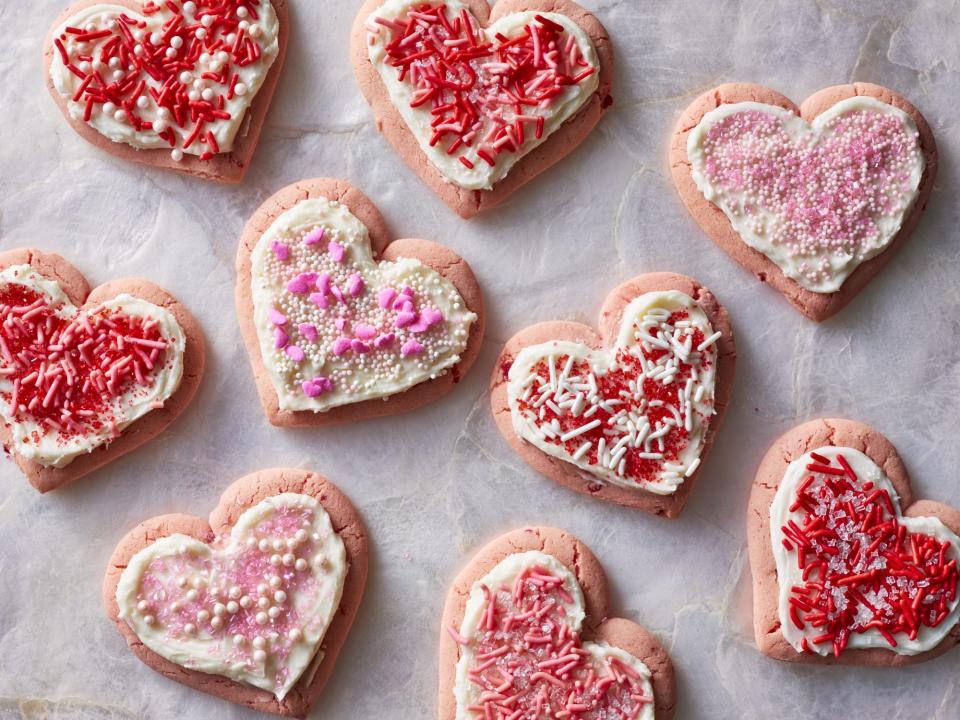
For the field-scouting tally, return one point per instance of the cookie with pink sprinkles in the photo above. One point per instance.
(178, 84)
(252, 605)
(813, 200)
(628, 414)
(340, 322)
(527, 633)
(87, 376)
(479, 99)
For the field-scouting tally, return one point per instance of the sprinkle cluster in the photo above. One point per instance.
(490, 95)
(531, 665)
(243, 596)
(178, 67)
(827, 195)
(333, 310)
(635, 418)
(67, 373)
(862, 569)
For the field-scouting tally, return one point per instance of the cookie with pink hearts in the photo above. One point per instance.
(340, 322)
(252, 605)
(479, 99)
(527, 633)
(628, 414)
(848, 566)
(813, 200)
(181, 85)
(87, 376)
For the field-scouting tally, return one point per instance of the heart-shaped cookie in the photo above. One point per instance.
(847, 567)
(812, 200)
(479, 101)
(252, 606)
(527, 634)
(87, 376)
(627, 415)
(340, 323)
(173, 84)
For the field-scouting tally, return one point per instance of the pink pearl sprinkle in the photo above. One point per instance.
(318, 386)
(340, 346)
(302, 282)
(320, 300)
(411, 347)
(314, 236)
(309, 331)
(336, 251)
(385, 297)
(355, 285)
(280, 250)
(280, 338)
(359, 346)
(404, 319)
(384, 340)
(276, 317)
(323, 283)
(294, 353)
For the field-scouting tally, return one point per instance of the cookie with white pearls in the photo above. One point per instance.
(253, 604)
(340, 322)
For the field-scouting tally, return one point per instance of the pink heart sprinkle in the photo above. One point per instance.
(431, 316)
(280, 250)
(309, 331)
(276, 317)
(385, 297)
(314, 236)
(320, 300)
(419, 326)
(365, 332)
(335, 291)
(280, 338)
(411, 347)
(355, 285)
(294, 353)
(340, 346)
(384, 340)
(359, 346)
(341, 323)
(407, 290)
(323, 283)
(302, 282)
(318, 386)
(336, 251)
(404, 319)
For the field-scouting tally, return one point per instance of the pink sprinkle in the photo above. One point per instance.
(302, 282)
(317, 386)
(276, 317)
(365, 332)
(411, 347)
(280, 338)
(386, 296)
(341, 323)
(335, 291)
(431, 316)
(320, 300)
(323, 283)
(403, 303)
(359, 346)
(340, 346)
(384, 340)
(419, 326)
(355, 285)
(407, 290)
(309, 331)
(336, 251)
(404, 319)
(294, 353)
(281, 250)
(314, 236)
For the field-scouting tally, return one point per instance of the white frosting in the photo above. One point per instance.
(754, 227)
(789, 574)
(46, 446)
(225, 131)
(385, 372)
(209, 653)
(504, 574)
(632, 327)
(482, 176)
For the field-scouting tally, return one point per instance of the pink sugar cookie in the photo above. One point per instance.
(813, 200)
(87, 376)
(267, 588)
(112, 78)
(856, 571)
(616, 662)
(587, 428)
(484, 148)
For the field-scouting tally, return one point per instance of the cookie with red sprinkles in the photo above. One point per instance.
(527, 633)
(629, 413)
(342, 323)
(480, 99)
(814, 200)
(848, 567)
(87, 376)
(179, 84)
(252, 604)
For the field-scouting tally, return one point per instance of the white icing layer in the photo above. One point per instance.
(482, 176)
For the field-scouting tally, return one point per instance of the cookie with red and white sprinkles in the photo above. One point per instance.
(527, 634)
(183, 85)
(87, 376)
(342, 324)
(847, 566)
(627, 415)
(252, 605)
(478, 101)
(812, 200)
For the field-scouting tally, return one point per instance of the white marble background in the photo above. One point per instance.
(436, 484)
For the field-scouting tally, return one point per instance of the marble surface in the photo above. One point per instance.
(436, 484)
